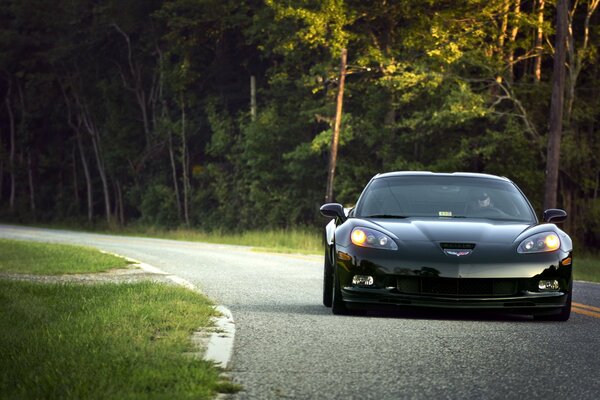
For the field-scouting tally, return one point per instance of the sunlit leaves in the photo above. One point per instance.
(318, 23)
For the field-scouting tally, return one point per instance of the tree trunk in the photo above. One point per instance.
(537, 68)
(253, 98)
(512, 38)
(1, 175)
(137, 88)
(1, 167)
(88, 123)
(86, 171)
(115, 205)
(556, 106)
(23, 132)
(174, 174)
(61, 188)
(164, 115)
(88, 179)
(31, 184)
(576, 56)
(389, 120)
(75, 181)
(336, 130)
(120, 204)
(91, 128)
(502, 36)
(102, 172)
(184, 165)
(11, 157)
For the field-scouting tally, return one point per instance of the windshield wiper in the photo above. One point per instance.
(385, 216)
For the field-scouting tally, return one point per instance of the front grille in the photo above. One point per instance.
(458, 246)
(457, 287)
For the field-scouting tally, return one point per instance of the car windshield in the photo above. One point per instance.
(445, 197)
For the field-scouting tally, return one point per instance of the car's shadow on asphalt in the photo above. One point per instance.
(300, 309)
(444, 314)
(399, 313)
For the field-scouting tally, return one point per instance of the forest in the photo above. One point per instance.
(219, 114)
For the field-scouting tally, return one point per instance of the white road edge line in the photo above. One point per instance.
(219, 345)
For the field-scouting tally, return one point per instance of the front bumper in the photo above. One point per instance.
(357, 297)
(503, 282)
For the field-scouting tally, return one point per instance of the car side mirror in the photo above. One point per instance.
(333, 210)
(555, 215)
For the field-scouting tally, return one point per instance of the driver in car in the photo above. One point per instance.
(481, 203)
(484, 201)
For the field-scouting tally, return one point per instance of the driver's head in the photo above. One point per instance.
(483, 200)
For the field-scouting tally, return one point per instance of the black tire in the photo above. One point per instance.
(327, 279)
(337, 304)
(562, 315)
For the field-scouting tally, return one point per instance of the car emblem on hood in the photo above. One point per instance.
(457, 253)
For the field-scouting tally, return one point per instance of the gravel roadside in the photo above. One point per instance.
(122, 275)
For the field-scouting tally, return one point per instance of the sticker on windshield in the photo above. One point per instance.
(445, 213)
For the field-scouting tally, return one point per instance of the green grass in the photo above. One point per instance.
(586, 268)
(301, 241)
(127, 341)
(52, 259)
(297, 240)
(71, 341)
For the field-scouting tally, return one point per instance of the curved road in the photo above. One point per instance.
(289, 346)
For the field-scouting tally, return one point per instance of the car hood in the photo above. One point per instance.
(420, 250)
(453, 230)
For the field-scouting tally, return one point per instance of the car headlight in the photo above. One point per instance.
(542, 242)
(366, 237)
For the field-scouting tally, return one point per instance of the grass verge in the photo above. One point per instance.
(301, 241)
(51, 259)
(586, 268)
(71, 341)
(298, 240)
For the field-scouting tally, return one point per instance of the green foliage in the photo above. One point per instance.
(158, 206)
(587, 268)
(430, 86)
(592, 216)
(320, 24)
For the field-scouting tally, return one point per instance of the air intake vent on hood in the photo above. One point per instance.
(454, 246)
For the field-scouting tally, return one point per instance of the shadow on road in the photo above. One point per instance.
(443, 314)
(295, 308)
(400, 313)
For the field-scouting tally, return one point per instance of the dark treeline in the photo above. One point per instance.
(131, 111)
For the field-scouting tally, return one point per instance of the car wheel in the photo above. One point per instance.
(562, 315)
(327, 280)
(337, 304)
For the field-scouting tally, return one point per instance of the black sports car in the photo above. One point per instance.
(459, 240)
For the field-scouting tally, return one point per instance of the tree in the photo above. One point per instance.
(557, 104)
(336, 130)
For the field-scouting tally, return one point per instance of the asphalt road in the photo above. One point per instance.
(289, 346)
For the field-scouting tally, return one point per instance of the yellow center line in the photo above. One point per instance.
(592, 308)
(586, 312)
(584, 309)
